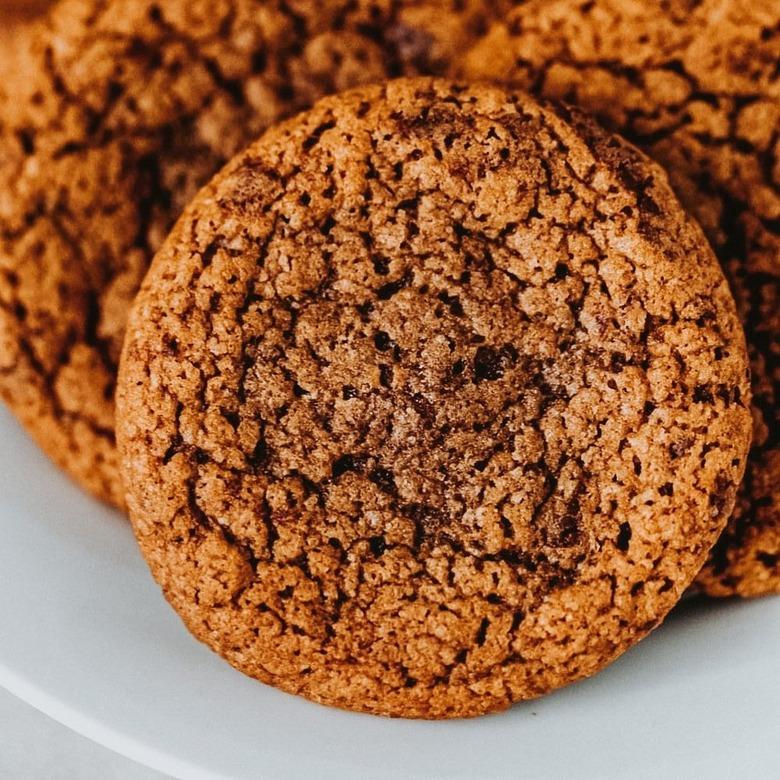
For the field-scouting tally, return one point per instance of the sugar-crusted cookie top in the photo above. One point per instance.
(434, 400)
(697, 86)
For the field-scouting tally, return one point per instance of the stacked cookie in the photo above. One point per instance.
(435, 398)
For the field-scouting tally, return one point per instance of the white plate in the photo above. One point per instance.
(86, 637)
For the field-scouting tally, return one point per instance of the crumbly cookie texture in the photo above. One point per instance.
(128, 107)
(696, 85)
(434, 400)
(15, 18)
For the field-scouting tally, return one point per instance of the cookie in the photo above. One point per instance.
(127, 108)
(16, 11)
(434, 400)
(15, 16)
(22, 9)
(696, 85)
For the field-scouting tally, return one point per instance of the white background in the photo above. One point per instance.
(34, 747)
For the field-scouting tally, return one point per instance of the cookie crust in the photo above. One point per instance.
(434, 400)
(695, 84)
(128, 107)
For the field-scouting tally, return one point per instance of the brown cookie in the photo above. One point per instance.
(15, 17)
(697, 86)
(127, 108)
(434, 400)
(13, 12)
(22, 9)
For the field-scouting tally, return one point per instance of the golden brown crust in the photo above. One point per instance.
(696, 85)
(17, 18)
(126, 108)
(434, 400)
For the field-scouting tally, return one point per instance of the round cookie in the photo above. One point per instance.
(127, 108)
(696, 85)
(434, 400)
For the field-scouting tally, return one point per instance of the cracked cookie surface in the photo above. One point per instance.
(434, 400)
(695, 83)
(17, 17)
(126, 108)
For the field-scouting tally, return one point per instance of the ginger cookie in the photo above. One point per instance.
(127, 107)
(14, 12)
(696, 85)
(22, 9)
(434, 400)
(15, 17)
